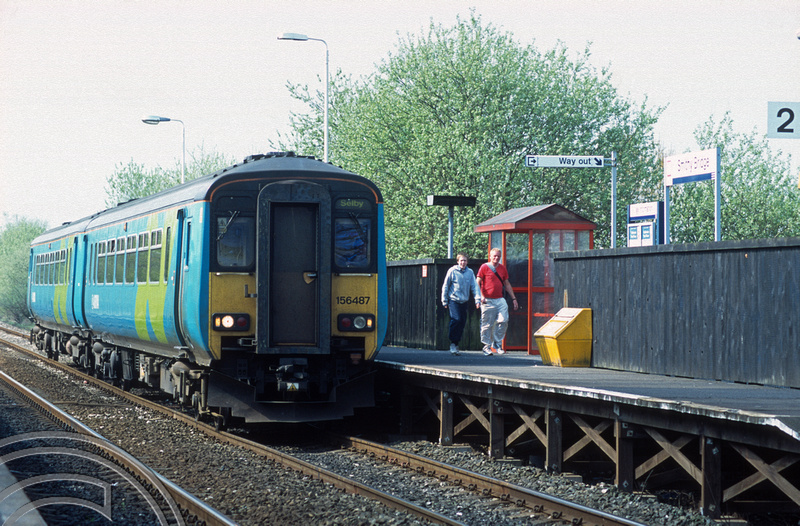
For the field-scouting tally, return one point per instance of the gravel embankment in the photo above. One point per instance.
(254, 491)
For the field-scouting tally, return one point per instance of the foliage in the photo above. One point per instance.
(15, 239)
(455, 112)
(759, 194)
(134, 180)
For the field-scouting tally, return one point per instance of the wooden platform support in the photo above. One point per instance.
(643, 455)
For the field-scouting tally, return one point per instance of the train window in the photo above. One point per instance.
(155, 255)
(57, 267)
(141, 262)
(112, 244)
(236, 241)
(68, 265)
(130, 259)
(351, 241)
(119, 270)
(166, 255)
(101, 262)
(92, 261)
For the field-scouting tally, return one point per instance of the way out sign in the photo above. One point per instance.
(564, 161)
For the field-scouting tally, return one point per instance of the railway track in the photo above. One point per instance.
(536, 506)
(180, 504)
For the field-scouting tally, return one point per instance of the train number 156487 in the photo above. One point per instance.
(352, 300)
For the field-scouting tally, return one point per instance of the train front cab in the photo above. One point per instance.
(310, 312)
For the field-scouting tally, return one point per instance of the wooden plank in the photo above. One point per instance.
(770, 472)
(711, 488)
(625, 478)
(446, 429)
(555, 435)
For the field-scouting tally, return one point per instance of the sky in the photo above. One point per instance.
(77, 77)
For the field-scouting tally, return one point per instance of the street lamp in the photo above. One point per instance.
(297, 37)
(155, 119)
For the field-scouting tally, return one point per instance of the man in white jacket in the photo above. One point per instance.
(459, 284)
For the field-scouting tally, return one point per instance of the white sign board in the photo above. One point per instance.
(690, 167)
(564, 161)
(643, 211)
(783, 121)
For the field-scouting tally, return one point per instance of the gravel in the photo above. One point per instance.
(252, 490)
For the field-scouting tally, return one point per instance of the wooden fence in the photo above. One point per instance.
(416, 316)
(723, 311)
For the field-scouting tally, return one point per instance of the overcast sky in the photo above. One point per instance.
(76, 77)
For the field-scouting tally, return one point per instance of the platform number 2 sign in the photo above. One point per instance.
(784, 120)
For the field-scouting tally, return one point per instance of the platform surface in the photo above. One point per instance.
(779, 407)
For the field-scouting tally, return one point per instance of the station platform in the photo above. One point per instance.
(752, 404)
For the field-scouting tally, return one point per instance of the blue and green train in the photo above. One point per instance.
(255, 294)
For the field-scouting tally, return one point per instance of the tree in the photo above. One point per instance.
(15, 239)
(759, 194)
(456, 111)
(134, 180)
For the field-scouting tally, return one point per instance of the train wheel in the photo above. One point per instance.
(223, 420)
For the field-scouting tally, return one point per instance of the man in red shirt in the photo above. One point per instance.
(492, 279)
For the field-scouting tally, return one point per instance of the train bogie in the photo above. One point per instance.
(258, 292)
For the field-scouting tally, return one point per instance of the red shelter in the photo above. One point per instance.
(527, 236)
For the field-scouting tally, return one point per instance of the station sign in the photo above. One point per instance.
(640, 211)
(564, 161)
(783, 120)
(691, 167)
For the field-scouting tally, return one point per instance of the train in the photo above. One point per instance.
(253, 294)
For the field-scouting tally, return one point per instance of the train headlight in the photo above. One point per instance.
(225, 321)
(356, 322)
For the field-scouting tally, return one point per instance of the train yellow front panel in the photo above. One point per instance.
(227, 295)
(355, 294)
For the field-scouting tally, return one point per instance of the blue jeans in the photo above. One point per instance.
(458, 319)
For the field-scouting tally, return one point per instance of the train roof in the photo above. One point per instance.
(202, 188)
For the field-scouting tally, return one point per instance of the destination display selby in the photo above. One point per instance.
(564, 161)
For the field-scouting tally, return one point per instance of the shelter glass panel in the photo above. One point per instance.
(517, 333)
(517, 259)
(584, 237)
(568, 240)
(538, 260)
(495, 241)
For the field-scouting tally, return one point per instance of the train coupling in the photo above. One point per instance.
(292, 375)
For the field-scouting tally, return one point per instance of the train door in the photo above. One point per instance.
(294, 268)
(181, 257)
(80, 278)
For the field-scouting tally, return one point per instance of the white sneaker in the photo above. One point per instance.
(498, 347)
(454, 349)
(486, 350)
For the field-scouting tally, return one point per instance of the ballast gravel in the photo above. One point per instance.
(252, 490)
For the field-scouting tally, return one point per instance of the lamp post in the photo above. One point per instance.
(297, 37)
(155, 119)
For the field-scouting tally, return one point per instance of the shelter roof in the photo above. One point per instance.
(542, 217)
